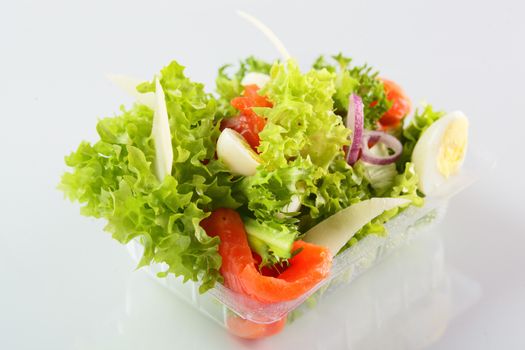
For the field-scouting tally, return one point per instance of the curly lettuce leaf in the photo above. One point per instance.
(381, 177)
(268, 191)
(113, 179)
(334, 189)
(362, 80)
(413, 131)
(302, 122)
(322, 193)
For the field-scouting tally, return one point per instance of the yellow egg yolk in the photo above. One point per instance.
(453, 146)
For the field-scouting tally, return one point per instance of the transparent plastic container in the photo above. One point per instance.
(223, 305)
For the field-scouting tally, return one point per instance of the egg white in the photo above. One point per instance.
(440, 151)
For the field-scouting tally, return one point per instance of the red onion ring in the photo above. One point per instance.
(354, 122)
(384, 138)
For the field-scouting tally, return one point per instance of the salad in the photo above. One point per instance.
(261, 184)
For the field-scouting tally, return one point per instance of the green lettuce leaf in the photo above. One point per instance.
(413, 131)
(268, 191)
(381, 177)
(113, 179)
(302, 122)
(362, 80)
(322, 193)
(333, 190)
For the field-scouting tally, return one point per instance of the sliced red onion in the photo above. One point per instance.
(384, 138)
(354, 122)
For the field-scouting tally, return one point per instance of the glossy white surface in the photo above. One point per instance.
(66, 285)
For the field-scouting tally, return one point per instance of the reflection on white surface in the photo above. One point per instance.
(406, 302)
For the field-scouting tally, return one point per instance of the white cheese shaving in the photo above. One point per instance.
(339, 228)
(267, 32)
(161, 135)
(129, 85)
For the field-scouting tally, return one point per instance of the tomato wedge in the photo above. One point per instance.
(249, 126)
(248, 123)
(400, 108)
(307, 268)
(252, 92)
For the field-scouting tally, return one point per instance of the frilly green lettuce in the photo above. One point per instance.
(412, 132)
(302, 122)
(362, 80)
(113, 179)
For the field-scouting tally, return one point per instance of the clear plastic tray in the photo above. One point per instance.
(220, 303)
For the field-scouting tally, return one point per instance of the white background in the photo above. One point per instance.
(64, 284)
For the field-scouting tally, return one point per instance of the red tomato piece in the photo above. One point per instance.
(400, 108)
(248, 123)
(252, 92)
(244, 105)
(250, 98)
(249, 126)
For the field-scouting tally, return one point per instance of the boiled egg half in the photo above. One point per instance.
(440, 151)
